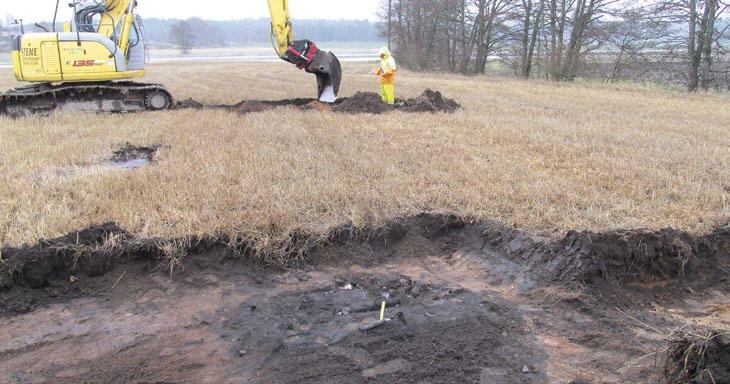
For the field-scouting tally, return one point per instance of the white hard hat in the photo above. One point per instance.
(384, 51)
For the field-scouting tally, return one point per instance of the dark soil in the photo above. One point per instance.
(430, 101)
(469, 302)
(189, 103)
(132, 152)
(362, 102)
(622, 257)
(53, 260)
(246, 106)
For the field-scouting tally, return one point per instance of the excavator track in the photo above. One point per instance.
(105, 97)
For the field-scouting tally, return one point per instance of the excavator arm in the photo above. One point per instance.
(120, 11)
(304, 53)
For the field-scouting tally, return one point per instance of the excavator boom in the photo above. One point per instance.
(281, 25)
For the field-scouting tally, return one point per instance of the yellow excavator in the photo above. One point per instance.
(89, 66)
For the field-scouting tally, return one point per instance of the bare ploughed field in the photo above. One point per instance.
(533, 233)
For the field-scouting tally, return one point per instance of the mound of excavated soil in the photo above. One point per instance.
(363, 102)
(694, 358)
(369, 102)
(430, 101)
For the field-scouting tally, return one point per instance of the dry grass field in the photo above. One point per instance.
(536, 155)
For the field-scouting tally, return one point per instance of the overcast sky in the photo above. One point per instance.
(39, 10)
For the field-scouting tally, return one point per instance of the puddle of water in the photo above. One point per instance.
(69, 173)
(130, 164)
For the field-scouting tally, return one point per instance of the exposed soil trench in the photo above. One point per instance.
(362, 102)
(470, 303)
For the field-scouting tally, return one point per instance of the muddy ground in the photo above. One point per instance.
(362, 102)
(469, 303)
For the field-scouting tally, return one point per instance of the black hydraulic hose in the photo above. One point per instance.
(55, 15)
(78, 30)
(114, 36)
(85, 16)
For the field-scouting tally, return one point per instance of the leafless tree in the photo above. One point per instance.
(634, 38)
(4, 37)
(532, 18)
(181, 34)
(576, 21)
(458, 35)
(702, 36)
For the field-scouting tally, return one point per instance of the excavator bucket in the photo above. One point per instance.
(328, 70)
(325, 65)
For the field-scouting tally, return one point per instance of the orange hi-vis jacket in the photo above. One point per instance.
(387, 69)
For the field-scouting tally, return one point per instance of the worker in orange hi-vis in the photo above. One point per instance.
(386, 74)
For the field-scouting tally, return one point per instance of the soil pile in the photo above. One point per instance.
(370, 102)
(698, 358)
(430, 101)
(363, 102)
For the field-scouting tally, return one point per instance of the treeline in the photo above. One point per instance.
(208, 33)
(668, 41)
(5, 32)
(200, 33)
